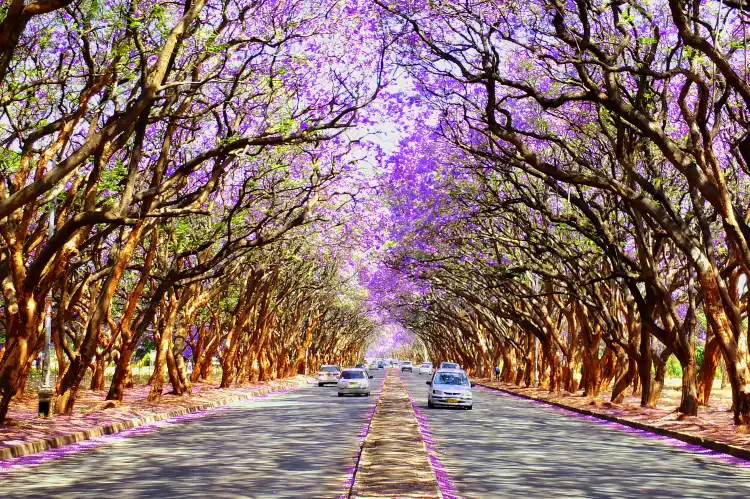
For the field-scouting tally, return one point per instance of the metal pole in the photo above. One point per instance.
(45, 392)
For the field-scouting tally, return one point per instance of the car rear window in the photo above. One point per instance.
(329, 369)
(426, 364)
(353, 375)
(451, 379)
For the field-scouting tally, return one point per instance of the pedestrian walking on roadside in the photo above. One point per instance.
(497, 373)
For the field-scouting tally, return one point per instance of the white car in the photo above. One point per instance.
(407, 366)
(450, 388)
(354, 382)
(328, 374)
(449, 365)
(425, 368)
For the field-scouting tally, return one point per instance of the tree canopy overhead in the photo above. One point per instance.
(558, 187)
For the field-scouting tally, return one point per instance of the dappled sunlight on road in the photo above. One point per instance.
(295, 445)
(507, 447)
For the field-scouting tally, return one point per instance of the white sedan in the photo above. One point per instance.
(450, 388)
(425, 368)
(328, 374)
(354, 382)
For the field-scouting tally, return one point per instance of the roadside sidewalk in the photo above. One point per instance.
(704, 431)
(26, 434)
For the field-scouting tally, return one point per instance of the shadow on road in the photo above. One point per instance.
(292, 446)
(507, 447)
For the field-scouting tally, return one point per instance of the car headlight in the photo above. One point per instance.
(466, 395)
(437, 392)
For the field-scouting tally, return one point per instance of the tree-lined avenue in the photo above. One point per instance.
(224, 193)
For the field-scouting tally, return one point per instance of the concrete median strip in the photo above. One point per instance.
(394, 460)
(39, 446)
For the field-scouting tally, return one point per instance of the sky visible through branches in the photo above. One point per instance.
(476, 181)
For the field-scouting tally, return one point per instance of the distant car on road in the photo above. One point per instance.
(360, 366)
(449, 365)
(328, 373)
(407, 366)
(450, 388)
(354, 382)
(425, 368)
(381, 364)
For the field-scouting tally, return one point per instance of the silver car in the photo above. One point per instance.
(328, 373)
(354, 382)
(425, 368)
(450, 388)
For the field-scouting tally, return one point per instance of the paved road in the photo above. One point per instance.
(297, 445)
(506, 447)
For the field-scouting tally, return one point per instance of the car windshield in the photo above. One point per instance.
(353, 375)
(449, 365)
(407, 363)
(329, 369)
(451, 379)
(426, 364)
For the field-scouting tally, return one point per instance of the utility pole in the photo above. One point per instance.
(45, 392)
(303, 330)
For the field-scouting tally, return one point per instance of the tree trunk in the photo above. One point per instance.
(636, 382)
(71, 380)
(208, 361)
(123, 373)
(657, 382)
(97, 379)
(174, 376)
(17, 356)
(180, 374)
(689, 402)
(625, 377)
(160, 367)
(644, 367)
(734, 347)
(711, 359)
(507, 373)
(164, 346)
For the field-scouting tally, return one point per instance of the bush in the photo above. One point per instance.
(674, 369)
(700, 351)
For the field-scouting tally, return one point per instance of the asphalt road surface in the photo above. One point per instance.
(302, 444)
(508, 447)
(297, 445)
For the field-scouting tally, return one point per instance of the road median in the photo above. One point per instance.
(394, 460)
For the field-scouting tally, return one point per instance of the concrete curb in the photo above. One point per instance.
(732, 450)
(37, 446)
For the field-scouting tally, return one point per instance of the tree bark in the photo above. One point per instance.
(711, 359)
(689, 402)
